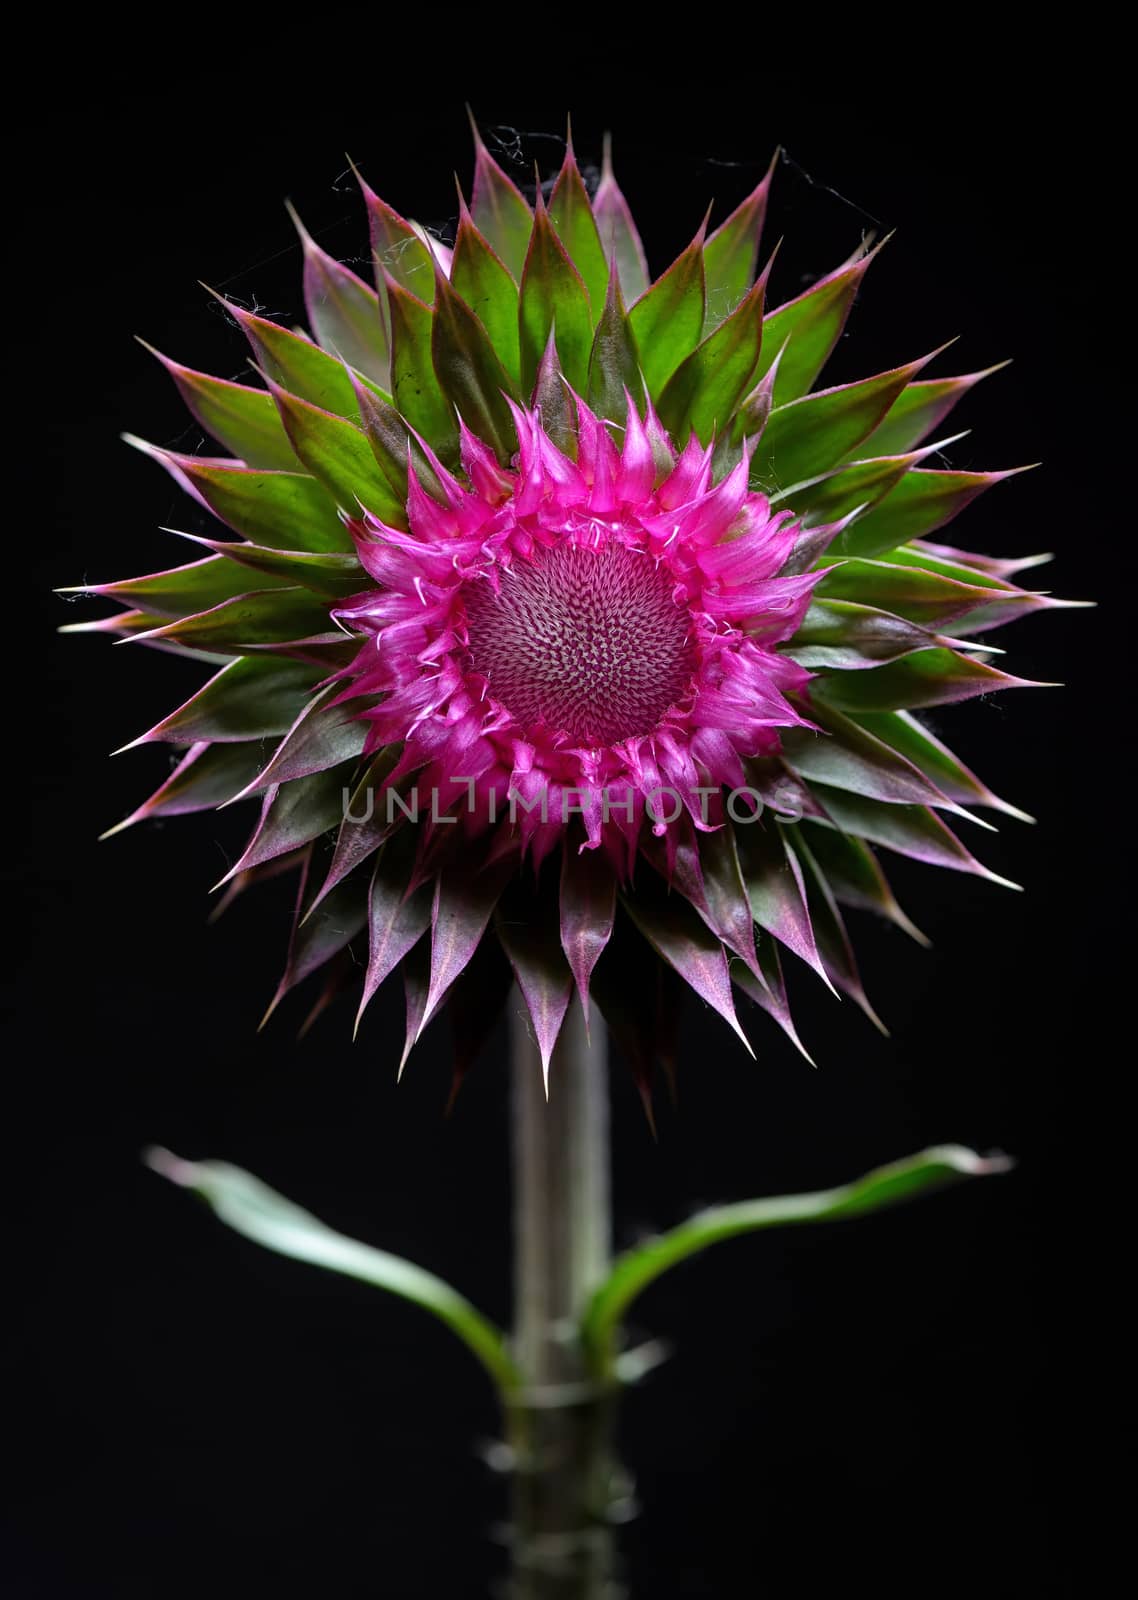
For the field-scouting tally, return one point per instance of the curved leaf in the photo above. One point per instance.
(903, 733)
(855, 876)
(293, 814)
(251, 1208)
(777, 892)
(528, 930)
(397, 920)
(847, 756)
(323, 735)
(833, 495)
(633, 1271)
(837, 635)
(398, 251)
(327, 573)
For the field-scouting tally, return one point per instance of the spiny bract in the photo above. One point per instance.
(564, 618)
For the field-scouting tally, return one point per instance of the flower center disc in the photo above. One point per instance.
(589, 643)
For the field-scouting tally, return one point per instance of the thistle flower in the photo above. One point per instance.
(565, 615)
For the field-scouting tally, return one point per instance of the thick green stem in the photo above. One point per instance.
(562, 1425)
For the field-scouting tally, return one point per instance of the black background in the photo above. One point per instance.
(892, 1403)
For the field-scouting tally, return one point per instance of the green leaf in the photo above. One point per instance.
(254, 697)
(470, 374)
(926, 678)
(812, 323)
(484, 283)
(338, 454)
(279, 509)
(343, 311)
(251, 1208)
(572, 216)
(730, 255)
(930, 1169)
(919, 409)
(263, 617)
(923, 594)
(614, 363)
(835, 494)
(553, 298)
(329, 574)
(298, 365)
(499, 210)
(809, 436)
(414, 384)
(667, 321)
(840, 635)
(701, 395)
(184, 590)
(995, 600)
(244, 420)
(921, 502)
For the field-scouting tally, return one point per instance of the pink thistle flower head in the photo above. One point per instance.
(616, 697)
